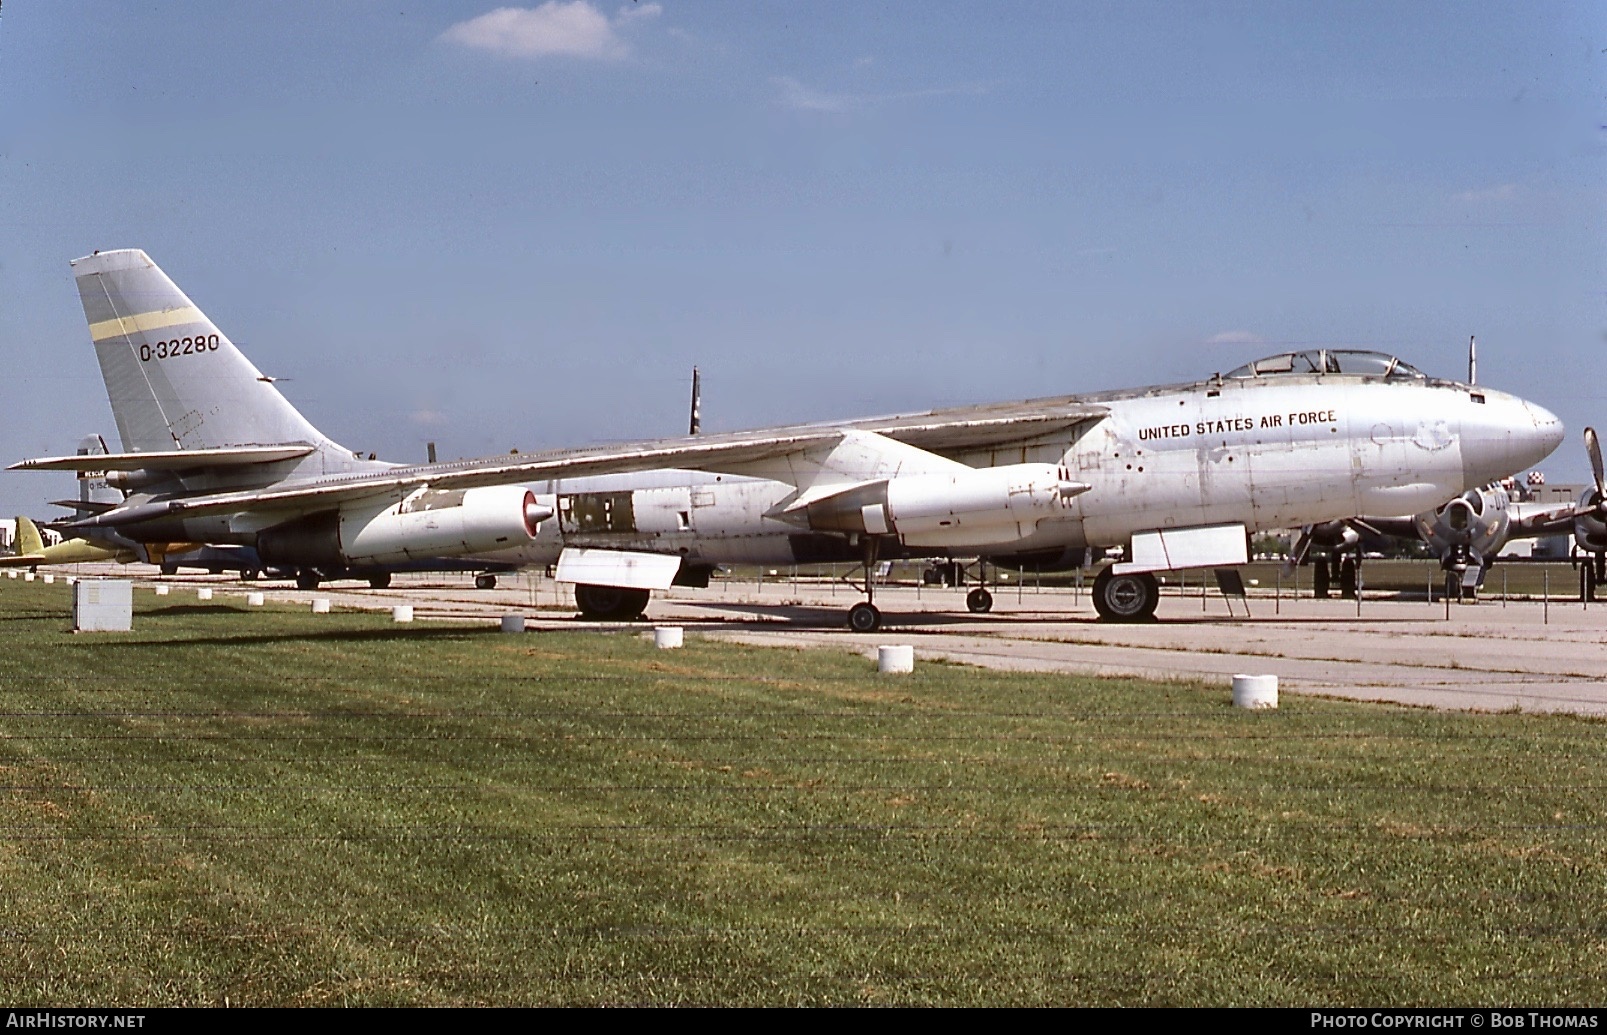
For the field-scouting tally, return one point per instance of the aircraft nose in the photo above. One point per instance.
(1505, 436)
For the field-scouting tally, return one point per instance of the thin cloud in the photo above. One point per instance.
(1234, 338)
(799, 97)
(795, 95)
(1480, 196)
(572, 29)
(428, 418)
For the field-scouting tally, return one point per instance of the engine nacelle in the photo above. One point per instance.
(986, 505)
(1476, 522)
(1590, 523)
(428, 523)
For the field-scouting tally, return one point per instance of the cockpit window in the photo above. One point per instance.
(1329, 361)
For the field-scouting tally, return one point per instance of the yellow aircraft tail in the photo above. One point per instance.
(29, 541)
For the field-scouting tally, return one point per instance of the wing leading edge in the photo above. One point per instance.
(763, 453)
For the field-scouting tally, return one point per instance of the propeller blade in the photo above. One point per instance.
(1593, 448)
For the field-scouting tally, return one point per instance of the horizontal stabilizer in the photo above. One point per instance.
(85, 506)
(165, 460)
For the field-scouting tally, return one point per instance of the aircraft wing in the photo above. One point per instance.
(1529, 520)
(743, 452)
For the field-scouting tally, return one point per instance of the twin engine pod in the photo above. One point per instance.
(428, 523)
(961, 506)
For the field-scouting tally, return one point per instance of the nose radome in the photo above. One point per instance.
(1548, 429)
(1506, 435)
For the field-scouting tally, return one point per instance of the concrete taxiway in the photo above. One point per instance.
(1489, 656)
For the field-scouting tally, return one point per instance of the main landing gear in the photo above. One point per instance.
(1592, 574)
(610, 603)
(1126, 598)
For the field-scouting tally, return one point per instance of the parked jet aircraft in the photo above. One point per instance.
(1176, 475)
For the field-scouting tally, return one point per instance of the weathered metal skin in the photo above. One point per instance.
(1302, 450)
(232, 462)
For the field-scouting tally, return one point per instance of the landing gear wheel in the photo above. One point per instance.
(1319, 579)
(1453, 586)
(864, 618)
(307, 579)
(485, 582)
(170, 569)
(1347, 578)
(1587, 581)
(250, 575)
(380, 581)
(610, 603)
(1126, 598)
(979, 601)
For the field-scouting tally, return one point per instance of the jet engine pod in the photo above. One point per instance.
(429, 523)
(443, 523)
(924, 509)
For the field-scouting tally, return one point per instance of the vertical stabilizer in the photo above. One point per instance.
(175, 381)
(29, 541)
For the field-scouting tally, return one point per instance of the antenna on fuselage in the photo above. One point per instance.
(1473, 360)
(696, 425)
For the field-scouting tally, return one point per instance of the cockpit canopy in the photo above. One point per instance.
(1330, 361)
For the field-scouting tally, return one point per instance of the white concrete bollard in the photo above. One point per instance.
(402, 613)
(27, 576)
(161, 591)
(11, 574)
(254, 599)
(668, 637)
(320, 605)
(71, 581)
(1255, 691)
(895, 659)
(49, 578)
(204, 593)
(513, 623)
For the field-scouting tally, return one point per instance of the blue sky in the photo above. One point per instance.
(497, 227)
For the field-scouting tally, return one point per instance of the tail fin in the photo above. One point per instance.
(175, 381)
(29, 541)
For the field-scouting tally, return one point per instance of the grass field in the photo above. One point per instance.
(271, 807)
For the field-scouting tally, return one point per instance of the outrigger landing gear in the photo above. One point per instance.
(979, 601)
(863, 616)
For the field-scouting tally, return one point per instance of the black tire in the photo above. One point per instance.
(1126, 598)
(864, 618)
(1319, 579)
(250, 575)
(979, 601)
(485, 582)
(1347, 578)
(380, 581)
(170, 569)
(611, 603)
(306, 578)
